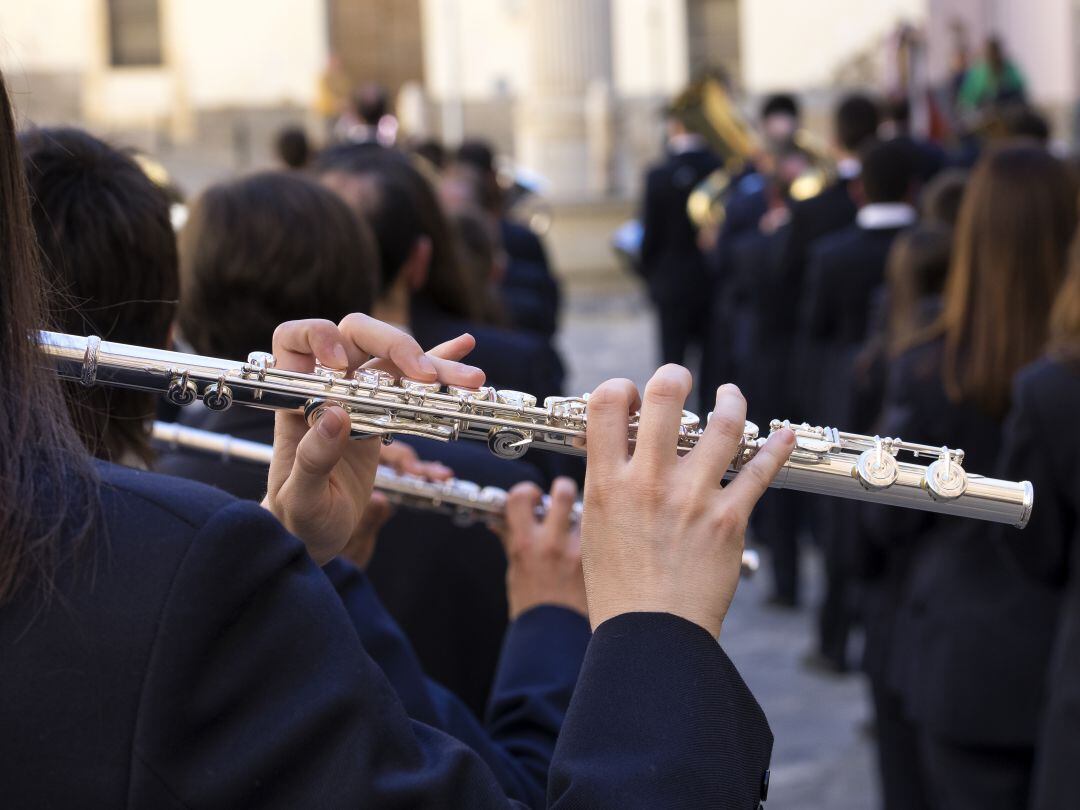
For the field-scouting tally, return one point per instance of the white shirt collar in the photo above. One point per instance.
(878, 216)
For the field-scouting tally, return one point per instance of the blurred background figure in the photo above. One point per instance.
(847, 209)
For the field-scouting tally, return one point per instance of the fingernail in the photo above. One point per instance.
(427, 365)
(329, 424)
(341, 357)
(730, 388)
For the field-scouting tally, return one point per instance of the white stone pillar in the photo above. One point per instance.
(569, 44)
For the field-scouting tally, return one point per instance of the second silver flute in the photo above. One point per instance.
(825, 461)
(464, 502)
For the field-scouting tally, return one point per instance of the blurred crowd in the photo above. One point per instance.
(915, 285)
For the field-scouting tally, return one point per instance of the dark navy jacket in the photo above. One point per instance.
(670, 258)
(1041, 446)
(973, 638)
(192, 655)
(541, 657)
(443, 584)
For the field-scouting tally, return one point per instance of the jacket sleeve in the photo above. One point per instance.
(259, 694)
(660, 718)
(1041, 549)
(539, 665)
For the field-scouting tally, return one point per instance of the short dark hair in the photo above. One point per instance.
(268, 248)
(371, 103)
(856, 120)
(293, 147)
(109, 251)
(478, 153)
(780, 104)
(889, 170)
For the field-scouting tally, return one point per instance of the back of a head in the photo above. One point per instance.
(856, 121)
(889, 170)
(402, 207)
(1012, 238)
(109, 252)
(371, 103)
(268, 248)
(780, 104)
(1021, 121)
(941, 197)
(293, 147)
(47, 487)
(478, 153)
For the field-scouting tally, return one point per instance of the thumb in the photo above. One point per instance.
(317, 454)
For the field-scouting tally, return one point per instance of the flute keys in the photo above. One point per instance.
(517, 399)
(566, 407)
(261, 360)
(420, 388)
(182, 391)
(482, 394)
(376, 378)
(945, 479)
(217, 396)
(508, 443)
(876, 469)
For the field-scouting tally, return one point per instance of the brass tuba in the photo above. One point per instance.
(706, 106)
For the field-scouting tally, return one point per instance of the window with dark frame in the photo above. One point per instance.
(134, 33)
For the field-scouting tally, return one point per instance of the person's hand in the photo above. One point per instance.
(543, 556)
(361, 546)
(659, 534)
(403, 460)
(320, 483)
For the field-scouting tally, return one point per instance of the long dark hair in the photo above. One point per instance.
(1064, 343)
(108, 249)
(48, 493)
(1012, 239)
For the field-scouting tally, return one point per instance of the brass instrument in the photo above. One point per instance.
(706, 107)
(824, 461)
(464, 502)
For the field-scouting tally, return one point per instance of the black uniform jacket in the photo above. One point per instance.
(192, 655)
(1042, 446)
(973, 638)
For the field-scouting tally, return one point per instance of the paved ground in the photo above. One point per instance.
(822, 757)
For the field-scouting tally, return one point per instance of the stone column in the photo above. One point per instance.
(564, 106)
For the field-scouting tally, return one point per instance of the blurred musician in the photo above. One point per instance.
(845, 270)
(671, 260)
(1040, 444)
(778, 523)
(972, 640)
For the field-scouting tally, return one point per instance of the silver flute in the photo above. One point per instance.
(464, 502)
(825, 461)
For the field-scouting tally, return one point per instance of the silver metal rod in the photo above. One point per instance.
(464, 501)
(825, 461)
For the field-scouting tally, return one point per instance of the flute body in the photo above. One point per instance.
(824, 461)
(464, 502)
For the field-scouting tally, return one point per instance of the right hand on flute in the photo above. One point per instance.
(659, 534)
(320, 483)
